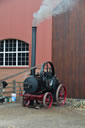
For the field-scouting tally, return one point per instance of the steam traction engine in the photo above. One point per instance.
(42, 87)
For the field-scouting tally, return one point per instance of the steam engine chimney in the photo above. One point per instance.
(33, 57)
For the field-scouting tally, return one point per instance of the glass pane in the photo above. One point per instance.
(10, 45)
(6, 45)
(10, 63)
(27, 47)
(27, 63)
(1, 59)
(6, 63)
(1, 46)
(23, 57)
(14, 63)
(27, 58)
(19, 63)
(14, 45)
(23, 46)
(6, 55)
(19, 58)
(23, 63)
(10, 57)
(14, 57)
(19, 45)
(6, 59)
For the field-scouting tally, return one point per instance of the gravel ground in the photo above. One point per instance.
(78, 104)
(13, 115)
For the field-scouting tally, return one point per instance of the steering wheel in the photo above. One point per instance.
(46, 73)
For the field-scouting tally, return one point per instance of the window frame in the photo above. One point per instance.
(16, 51)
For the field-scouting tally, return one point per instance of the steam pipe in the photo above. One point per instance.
(33, 57)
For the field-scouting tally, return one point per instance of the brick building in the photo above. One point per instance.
(60, 39)
(16, 34)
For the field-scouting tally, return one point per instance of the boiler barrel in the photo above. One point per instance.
(30, 85)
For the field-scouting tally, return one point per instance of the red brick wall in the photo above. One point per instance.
(16, 18)
(4, 73)
(16, 22)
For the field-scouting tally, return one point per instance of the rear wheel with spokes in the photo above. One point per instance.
(61, 95)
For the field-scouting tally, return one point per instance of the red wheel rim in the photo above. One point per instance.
(61, 95)
(47, 100)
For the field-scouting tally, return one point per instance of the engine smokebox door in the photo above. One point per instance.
(30, 85)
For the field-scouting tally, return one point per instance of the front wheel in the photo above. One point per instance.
(61, 95)
(47, 100)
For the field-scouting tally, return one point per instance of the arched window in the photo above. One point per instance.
(14, 53)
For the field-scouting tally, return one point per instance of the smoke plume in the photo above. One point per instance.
(51, 8)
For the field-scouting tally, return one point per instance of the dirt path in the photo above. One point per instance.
(16, 116)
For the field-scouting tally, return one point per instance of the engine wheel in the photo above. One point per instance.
(47, 100)
(46, 73)
(61, 95)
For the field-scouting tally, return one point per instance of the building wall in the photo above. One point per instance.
(68, 49)
(16, 22)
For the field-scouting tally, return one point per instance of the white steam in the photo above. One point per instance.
(64, 6)
(52, 7)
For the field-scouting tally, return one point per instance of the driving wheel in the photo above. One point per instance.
(61, 95)
(46, 73)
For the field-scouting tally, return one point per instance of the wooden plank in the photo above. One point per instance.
(68, 49)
